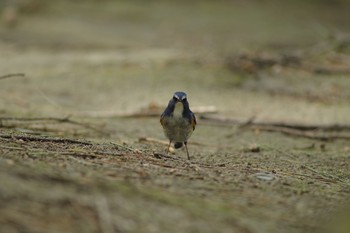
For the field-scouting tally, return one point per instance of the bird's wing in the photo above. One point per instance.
(162, 119)
(193, 120)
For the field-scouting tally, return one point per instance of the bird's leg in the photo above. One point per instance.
(167, 151)
(188, 155)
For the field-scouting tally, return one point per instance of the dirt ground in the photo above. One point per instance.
(81, 147)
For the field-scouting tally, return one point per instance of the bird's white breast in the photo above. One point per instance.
(178, 109)
(176, 127)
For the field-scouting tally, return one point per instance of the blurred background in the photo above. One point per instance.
(244, 57)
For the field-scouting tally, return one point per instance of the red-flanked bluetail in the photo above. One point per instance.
(178, 121)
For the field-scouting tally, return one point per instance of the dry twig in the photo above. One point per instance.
(302, 133)
(52, 119)
(12, 75)
(301, 130)
(250, 122)
(147, 139)
(44, 139)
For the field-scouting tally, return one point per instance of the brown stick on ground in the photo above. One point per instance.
(53, 119)
(303, 133)
(318, 132)
(250, 122)
(12, 75)
(44, 139)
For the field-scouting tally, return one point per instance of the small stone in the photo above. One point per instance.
(10, 162)
(254, 148)
(266, 176)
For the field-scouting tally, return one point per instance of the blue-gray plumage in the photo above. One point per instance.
(178, 121)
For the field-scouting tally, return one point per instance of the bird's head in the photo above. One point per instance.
(179, 97)
(178, 103)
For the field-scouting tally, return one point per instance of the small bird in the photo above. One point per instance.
(178, 121)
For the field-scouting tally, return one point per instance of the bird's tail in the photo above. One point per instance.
(178, 145)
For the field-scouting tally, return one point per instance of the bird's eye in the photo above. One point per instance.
(174, 98)
(184, 99)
